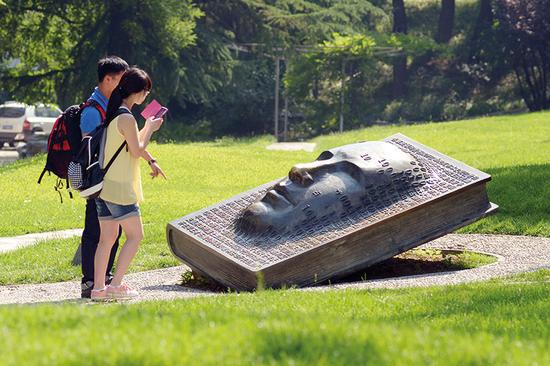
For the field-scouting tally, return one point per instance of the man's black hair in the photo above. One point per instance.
(110, 65)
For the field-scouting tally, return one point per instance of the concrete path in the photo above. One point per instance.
(16, 242)
(292, 146)
(7, 156)
(516, 254)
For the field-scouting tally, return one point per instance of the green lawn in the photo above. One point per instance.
(514, 149)
(493, 323)
(500, 322)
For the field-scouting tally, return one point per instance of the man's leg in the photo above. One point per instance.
(90, 238)
(109, 274)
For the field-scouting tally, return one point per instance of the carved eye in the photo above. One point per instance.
(325, 155)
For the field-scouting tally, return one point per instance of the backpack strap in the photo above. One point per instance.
(121, 110)
(114, 157)
(94, 103)
(42, 175)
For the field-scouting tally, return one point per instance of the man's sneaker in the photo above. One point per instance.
(121, 292)
(99, 295)
(86, 289)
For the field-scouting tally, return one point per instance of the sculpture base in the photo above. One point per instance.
(208, 242)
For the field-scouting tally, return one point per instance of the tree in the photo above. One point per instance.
(311, 21)
(368, 55)
(446, 21)
(58, 44)
(400, 63)
(239, 101)
(484, 19)
(525, 26)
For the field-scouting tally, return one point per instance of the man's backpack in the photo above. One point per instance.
(85, 171)
(65, 141)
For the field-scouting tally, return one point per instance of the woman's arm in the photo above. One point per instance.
(137, 140)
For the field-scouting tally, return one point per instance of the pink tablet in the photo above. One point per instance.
(152, 109)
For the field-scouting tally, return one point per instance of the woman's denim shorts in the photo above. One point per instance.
(112, 211)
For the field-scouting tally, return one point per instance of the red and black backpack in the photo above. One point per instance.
(65, 141)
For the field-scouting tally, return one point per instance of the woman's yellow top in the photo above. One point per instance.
(122, 183)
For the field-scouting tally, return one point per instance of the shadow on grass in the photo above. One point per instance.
(522, 193)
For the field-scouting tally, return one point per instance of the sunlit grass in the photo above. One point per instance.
(514, 149)
(492, 323)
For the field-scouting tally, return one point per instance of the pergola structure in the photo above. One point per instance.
(281, 53)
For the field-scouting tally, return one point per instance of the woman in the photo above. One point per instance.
(118, 201)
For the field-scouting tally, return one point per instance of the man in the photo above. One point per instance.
(109, 71)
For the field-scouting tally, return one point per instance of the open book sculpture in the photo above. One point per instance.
(354, 206)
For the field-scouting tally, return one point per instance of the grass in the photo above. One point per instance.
(502, 322)
(497, 322)
(514, 149)
(28, 265)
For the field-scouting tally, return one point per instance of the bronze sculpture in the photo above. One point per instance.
(354, 206)
(340, 181)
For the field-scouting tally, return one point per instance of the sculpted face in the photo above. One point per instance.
(339, 181)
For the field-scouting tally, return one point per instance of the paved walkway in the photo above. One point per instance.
(516, 254)
(7, 156)
(292, 146)
(16, 242)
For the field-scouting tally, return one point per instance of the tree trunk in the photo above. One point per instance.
(482, 26)
(400, 63)
(531, 76)
(117, 41)
(446, 21)
(399, 17)
(484, 19)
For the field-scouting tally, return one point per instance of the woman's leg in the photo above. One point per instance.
(107, 237)
(133, 229)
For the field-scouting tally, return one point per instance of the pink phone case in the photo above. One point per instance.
(151, 109)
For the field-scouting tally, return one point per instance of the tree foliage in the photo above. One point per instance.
(526, 29)
(213, 61)
(56, 44)
(294, 22)
(350, 64)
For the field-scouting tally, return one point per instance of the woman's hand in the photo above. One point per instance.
(154, 123)
(156, 171)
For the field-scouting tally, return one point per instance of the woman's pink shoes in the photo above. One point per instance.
(122, 292)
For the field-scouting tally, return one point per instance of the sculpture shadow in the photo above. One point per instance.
(406, 264)
(521, 192)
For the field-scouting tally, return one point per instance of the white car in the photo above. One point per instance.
(18, 120)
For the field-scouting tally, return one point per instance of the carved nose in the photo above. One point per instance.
(303, 173)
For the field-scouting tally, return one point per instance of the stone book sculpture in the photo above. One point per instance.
(354, 206)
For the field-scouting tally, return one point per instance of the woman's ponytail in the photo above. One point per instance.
(115, 101)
